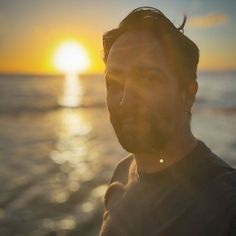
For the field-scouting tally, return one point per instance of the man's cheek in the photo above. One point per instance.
(113, 106)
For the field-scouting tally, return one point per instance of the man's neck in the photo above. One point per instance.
(165, 157)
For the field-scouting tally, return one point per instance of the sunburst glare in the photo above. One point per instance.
(73, 91)
(71, 58)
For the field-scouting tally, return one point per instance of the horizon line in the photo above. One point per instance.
(97, 73)
(47, 74)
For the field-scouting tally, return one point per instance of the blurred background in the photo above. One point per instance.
(57, 147)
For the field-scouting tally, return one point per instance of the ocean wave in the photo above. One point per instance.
(216, 110)
(35, 109)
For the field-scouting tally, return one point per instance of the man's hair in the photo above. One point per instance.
(182, 53)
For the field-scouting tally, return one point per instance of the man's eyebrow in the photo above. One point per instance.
(136, 69)
(148, 68)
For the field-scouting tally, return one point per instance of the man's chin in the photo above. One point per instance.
(145, 144)
(140, 140)
(133, 145)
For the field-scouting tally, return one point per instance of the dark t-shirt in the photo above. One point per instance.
(194, 197)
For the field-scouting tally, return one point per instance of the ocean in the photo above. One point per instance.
(58, 149)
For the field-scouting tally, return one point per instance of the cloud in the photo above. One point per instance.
(209, 20)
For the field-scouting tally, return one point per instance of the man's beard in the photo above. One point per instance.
(140, 136)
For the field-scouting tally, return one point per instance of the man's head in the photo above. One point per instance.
(151, 80)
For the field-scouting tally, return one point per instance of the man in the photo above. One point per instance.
(171, 183)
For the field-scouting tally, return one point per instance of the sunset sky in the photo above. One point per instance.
(32, 30)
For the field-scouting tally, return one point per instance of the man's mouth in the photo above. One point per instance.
(134, 125)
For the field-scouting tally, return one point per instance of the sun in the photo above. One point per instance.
(71, 57)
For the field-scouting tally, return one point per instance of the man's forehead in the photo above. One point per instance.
(135, 40)
(135, 50)
(135, 65)
(135, 46)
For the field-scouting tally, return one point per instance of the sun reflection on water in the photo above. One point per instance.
(71, 149)
(72, 91)
(71, 153)
(78, 168)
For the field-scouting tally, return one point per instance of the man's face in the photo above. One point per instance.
(146, 105)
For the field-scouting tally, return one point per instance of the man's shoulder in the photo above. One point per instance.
(119, 180)
(122, 169)
(225, 183)
(209, 162)
(221, 183)
(218, 199)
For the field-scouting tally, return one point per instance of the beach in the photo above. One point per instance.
(56, 160)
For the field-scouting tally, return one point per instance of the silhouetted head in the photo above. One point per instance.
(183, 54)
(151, 80)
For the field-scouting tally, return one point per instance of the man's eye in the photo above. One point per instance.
(153, 79)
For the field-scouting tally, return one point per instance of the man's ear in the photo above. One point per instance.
(190, 94)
